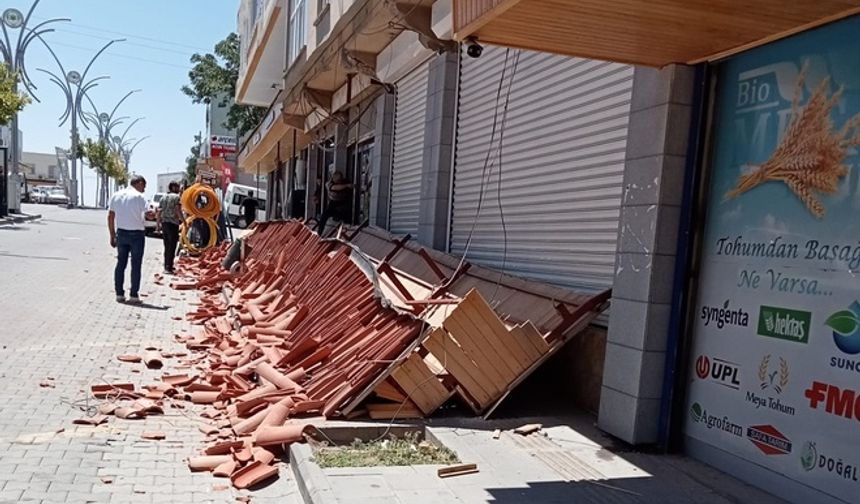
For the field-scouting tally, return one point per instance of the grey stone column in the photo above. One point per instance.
(438, 149)
(380, 181)
(645, 260)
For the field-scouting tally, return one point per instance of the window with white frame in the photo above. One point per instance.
(298, 29)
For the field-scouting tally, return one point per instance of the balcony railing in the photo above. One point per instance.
(298, 30)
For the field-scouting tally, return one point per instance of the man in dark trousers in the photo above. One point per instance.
(169, 219)
(249, 208)
(126, 227)
(339, 201)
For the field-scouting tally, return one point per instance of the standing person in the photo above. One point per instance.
(126, 226)
(249, 207)
(169, 219)
(339, 201)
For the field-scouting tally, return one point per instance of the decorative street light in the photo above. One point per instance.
(105, 123)
(75, 87)
(128, 151)
(13, 58)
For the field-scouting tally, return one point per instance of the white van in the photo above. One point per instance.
(233, 199)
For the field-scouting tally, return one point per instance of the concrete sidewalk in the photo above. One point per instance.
(569, 461)
(61, 321)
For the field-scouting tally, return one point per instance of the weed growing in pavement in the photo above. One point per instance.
(390, 452)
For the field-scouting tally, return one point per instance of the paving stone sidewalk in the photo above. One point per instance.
(59, 322)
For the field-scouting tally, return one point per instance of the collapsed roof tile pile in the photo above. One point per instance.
(303, 332)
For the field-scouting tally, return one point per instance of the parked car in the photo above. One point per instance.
(150, 222)
(37, 195)
(56, 196)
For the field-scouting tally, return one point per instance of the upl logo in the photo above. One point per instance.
(720, 371)
(846, 329)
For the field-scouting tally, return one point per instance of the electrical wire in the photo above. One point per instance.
(127, 35)
(98, 37)
(484, 174)
(119, 55)
(499, 179)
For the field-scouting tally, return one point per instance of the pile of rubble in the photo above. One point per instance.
(303, 327)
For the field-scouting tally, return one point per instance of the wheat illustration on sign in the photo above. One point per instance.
(810, 159)
(766, 377)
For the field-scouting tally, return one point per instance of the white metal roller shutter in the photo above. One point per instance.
(409, 118)
(562, 166)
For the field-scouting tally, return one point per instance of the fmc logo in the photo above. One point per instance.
(720, 371)
(838, 402)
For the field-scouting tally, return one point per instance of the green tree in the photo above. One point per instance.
(191, 161)
(214, 77)
(11, 101)
(106, 162)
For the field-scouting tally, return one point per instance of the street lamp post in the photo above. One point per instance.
(128, 151)
(75, 86)
(13, 58)
(105, 123)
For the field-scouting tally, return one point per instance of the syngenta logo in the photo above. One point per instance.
(724, 315)
(700, 415)
(846, 329)
(769, 440)
(717, 370)
(782, 323)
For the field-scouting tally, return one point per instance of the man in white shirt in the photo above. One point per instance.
(126, 225)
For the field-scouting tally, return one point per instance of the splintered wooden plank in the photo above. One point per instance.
(475, 348)
(449, 353)
(534, 337)
(494, 329)
(423, 387)
(406, 409)
(388, 391)
(525, 346)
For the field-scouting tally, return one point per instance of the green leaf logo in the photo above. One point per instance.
(696, 412)
(808, 456)
(843, 322)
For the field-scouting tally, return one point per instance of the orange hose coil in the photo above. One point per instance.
(197, 195)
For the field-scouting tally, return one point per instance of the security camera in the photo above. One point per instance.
(473, 48)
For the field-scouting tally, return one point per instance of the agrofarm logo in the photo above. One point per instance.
(700, 416)
(721, 316)
(783, 323)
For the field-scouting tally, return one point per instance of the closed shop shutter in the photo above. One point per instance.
(554, 216)
(409, 117)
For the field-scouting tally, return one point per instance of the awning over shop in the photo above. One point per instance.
(642, 32)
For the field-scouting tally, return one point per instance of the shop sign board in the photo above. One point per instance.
(775, 367)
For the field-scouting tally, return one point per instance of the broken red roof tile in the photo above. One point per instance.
(129, 358)
(102, 391)
(204, 397)
(127, 413)
(152, 359)
(207, 462)
(272, 435)
(153, 435)
(223, 448)
(226, 469)
(253, 473)
(93, 420)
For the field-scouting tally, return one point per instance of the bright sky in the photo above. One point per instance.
(161, 36)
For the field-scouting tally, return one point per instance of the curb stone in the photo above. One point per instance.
(312, 482)
(16, 219)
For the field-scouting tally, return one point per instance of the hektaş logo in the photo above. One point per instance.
(846, 329)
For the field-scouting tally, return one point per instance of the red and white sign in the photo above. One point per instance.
(221, 146)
